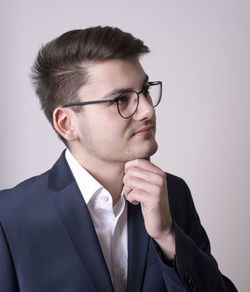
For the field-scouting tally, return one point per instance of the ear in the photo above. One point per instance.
(63, 123)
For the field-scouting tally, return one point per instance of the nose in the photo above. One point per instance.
(145, 109)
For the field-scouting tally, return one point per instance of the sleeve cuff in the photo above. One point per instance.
(171, 276)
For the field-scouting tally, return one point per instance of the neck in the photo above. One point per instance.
(108, 174)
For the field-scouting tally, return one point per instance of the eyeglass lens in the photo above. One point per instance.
(128, 102)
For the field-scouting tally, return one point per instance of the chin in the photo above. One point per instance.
(143, 153)
(151, 151)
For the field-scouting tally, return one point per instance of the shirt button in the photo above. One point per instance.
(122, 272)
(104, 198)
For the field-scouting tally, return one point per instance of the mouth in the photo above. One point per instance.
(144, 131)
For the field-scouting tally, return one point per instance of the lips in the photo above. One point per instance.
(144, 131)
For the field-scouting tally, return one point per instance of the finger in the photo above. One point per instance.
(134, 202)
(145, 175)
(135, 183)
(126, 189)
(143, 164)
(137, 196)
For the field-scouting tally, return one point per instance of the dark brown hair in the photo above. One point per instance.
(61, 66)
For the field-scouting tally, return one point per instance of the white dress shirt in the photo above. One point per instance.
(110, 222)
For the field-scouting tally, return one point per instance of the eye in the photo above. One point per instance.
(123, 99)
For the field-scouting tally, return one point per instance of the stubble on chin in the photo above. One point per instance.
(142, 155)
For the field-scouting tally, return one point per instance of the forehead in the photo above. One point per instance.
(113, 74)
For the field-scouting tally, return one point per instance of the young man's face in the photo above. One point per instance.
(103, 133)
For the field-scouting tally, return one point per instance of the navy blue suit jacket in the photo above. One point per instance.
(48, 242)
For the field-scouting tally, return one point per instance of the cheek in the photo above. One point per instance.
(115, 131)
(108, 126)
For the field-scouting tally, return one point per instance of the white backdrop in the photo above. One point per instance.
(200, 50)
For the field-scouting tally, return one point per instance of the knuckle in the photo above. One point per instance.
(130, 195)
(157, 191)
(159, 180)
(162, 178)
(125, 190)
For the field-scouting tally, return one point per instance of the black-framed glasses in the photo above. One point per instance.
(127, 102)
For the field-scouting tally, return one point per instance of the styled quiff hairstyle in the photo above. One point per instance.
(61, 66)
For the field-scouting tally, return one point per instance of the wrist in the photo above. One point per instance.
(166, 242)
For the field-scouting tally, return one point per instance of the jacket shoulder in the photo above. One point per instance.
(22, 192)
(27, 183)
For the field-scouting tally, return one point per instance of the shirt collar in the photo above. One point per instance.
(87, 184)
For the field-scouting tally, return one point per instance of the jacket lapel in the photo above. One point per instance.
(138, 241)
(78, 225)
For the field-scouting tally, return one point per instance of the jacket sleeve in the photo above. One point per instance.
(195, 264)
(8, 281)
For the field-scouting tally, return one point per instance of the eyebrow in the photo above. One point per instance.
(123, 90)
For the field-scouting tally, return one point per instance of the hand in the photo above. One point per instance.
(146, 184)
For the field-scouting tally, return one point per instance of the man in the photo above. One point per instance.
(104, 218)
